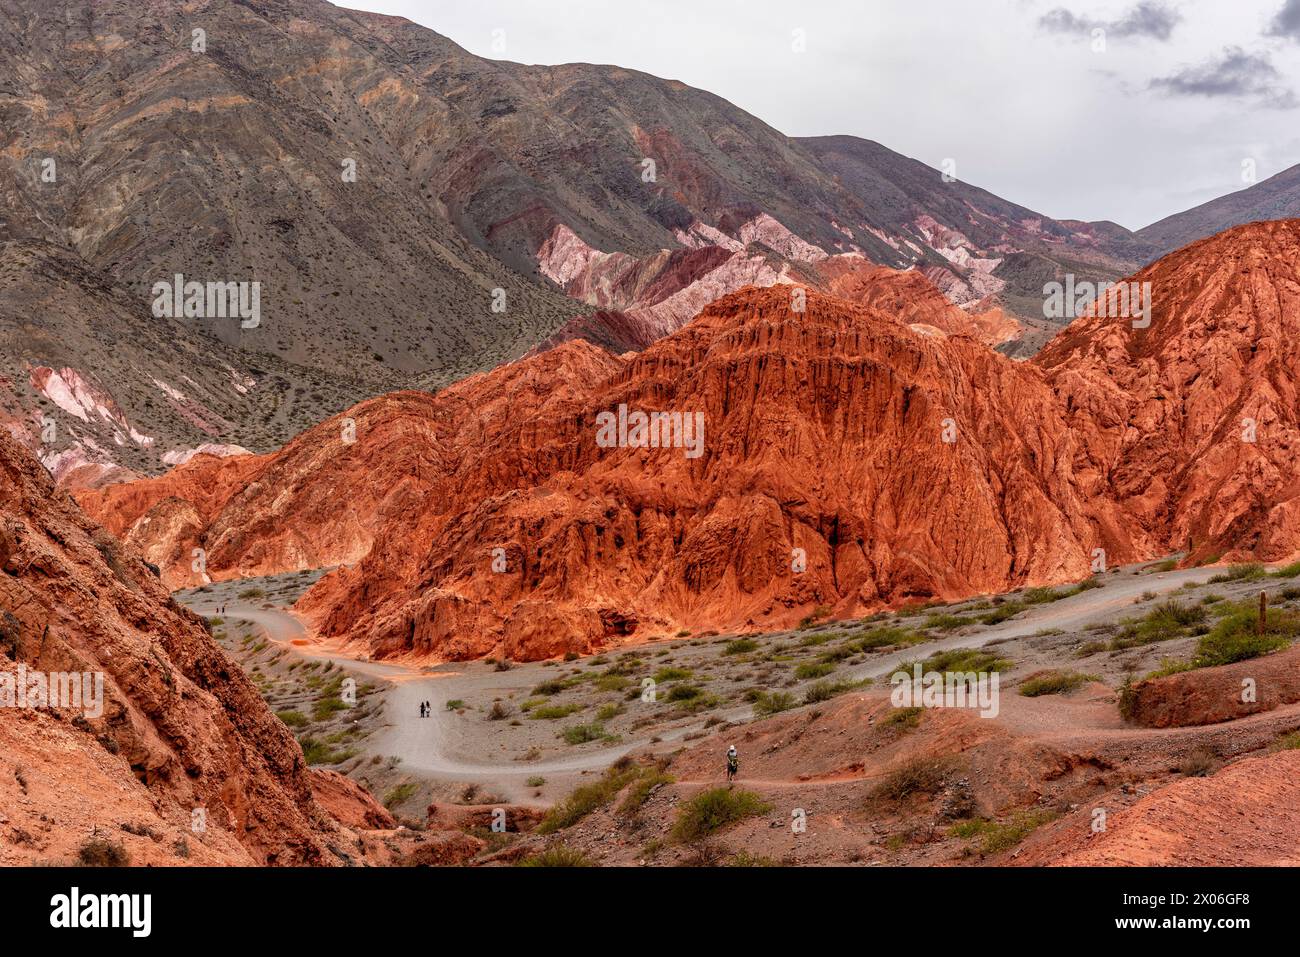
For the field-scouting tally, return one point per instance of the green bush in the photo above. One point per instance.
(917, 776)
(903, 718)
(586, 799)
(1252, 571)
(582, 733)
(553, 712)
(771, 702)
(557, 856)
(963, 659)
(294, 719)
(825, 690)
(811, 669)
(1235, 637)
(1002, 612)
(1054, 682)
(715, 809)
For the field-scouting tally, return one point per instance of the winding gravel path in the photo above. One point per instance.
(441, 746)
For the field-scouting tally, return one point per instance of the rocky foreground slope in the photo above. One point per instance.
(182, 734)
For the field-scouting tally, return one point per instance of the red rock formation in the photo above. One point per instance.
(642, 300)
(1193, 424)
(181, 727)
(912, 298)
(823, 431)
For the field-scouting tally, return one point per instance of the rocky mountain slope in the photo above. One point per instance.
(99, 390)
(1278, 197)
(412, 213)
(181, 729)
(1192, 424)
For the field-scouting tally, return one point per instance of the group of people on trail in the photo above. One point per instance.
(426, 709)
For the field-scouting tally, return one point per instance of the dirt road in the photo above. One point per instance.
(443, 746)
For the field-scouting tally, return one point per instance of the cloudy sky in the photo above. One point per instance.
(1153, 115)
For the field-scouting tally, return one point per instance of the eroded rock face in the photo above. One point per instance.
(1193, 423)
(640, 300)
(181, 727)
(497, 523)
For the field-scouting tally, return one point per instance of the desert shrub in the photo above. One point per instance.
(1252, 571)
(1001, 836)
(771, 702)
(920, 775)
(1002, 612)
(825, 690)
(684, 692)
(812, 669)
(740, 646)
(641, 789)
(945, 622)
(1166, 621)
(582, 733)
(294, 719)
(101, 852)
(557, 856)
(1235, 637)
(715, 809)
(963, 659)
(586, 799)
(902, 718)
(669, 673)
(1054, 682)
(399, 794)
(1127, 699)
(553, 712)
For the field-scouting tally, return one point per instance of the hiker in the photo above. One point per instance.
(733, 763)
(421, 709)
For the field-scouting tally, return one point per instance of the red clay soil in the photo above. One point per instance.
(1210, 695)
